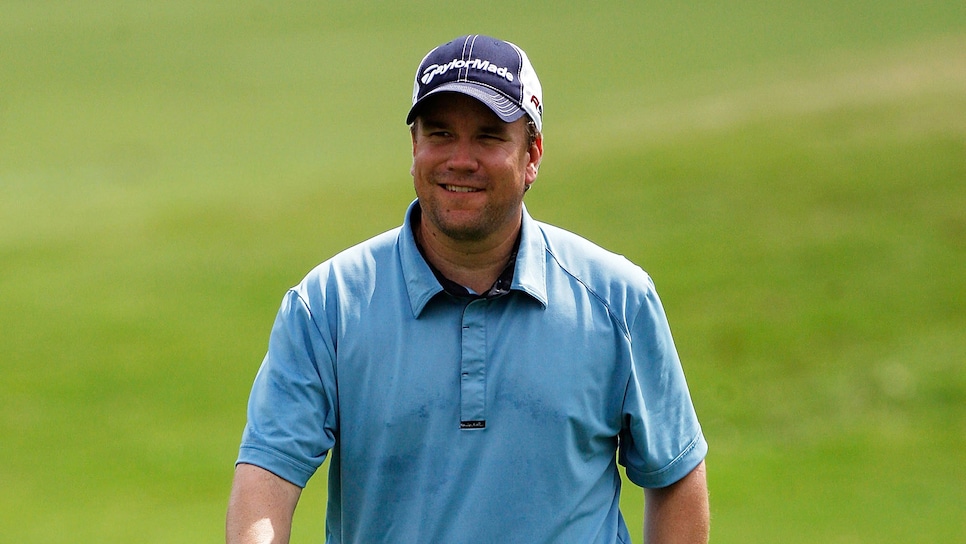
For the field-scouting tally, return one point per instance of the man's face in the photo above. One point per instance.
(470, 169)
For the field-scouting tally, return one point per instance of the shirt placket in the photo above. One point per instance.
(473, 366)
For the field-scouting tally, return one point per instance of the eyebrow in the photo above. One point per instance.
(497, 128)
(430, 123)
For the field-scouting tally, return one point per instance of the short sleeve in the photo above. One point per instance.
(292, 410)
(661, 440)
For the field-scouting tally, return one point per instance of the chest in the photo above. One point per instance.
(504, 365)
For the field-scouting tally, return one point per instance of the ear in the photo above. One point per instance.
(412, 134)
(534, 156)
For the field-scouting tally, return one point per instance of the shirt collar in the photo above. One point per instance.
(530, 272)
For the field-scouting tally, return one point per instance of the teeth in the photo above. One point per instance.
(458, 189)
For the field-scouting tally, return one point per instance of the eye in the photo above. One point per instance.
(492, 137)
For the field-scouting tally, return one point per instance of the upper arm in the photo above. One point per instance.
(260, 508)
(661, 441)
(678, 513)
(292, 409)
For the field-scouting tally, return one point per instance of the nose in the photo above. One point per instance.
(462, 156)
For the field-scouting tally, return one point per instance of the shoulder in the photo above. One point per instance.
(590, 263)
(353, 267)
(618, 283)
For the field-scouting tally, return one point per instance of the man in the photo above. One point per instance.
(474, 374)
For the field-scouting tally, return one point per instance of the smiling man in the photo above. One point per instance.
(475, 375)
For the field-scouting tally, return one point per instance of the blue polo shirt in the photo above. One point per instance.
(452, 419)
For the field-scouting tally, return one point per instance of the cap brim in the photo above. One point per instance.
(502, 106)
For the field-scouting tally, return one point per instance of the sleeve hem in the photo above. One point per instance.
(276, 463)
(680, 467)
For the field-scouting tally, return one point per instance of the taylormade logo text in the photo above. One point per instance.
(434, 70)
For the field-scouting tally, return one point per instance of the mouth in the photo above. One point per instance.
(460, 189)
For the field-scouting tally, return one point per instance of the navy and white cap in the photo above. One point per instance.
(495, 72)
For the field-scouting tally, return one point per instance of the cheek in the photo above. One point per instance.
(419, 164)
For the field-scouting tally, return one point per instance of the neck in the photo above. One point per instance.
(475, 265)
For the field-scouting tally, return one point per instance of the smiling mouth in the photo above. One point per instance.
(460, 189)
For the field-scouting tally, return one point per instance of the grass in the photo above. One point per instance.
(793, 176)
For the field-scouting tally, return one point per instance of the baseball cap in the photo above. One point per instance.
(495, 72)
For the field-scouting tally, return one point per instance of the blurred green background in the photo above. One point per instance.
(792, 174)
